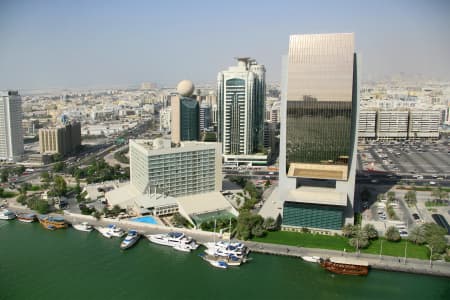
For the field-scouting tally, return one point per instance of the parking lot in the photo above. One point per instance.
(425, 159)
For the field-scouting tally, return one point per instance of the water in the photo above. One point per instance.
(146, 219)
(67, 264)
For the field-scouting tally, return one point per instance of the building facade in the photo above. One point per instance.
(205, 116)
(11, 131)
(399, 124)
(62, 139)
(241, 94)
(191, 168)
(185, 119)
(318, 140)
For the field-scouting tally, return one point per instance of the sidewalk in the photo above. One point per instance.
(388, 263)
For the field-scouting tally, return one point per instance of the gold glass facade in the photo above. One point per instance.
(320, 97)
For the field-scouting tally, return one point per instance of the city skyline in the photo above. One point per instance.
(68, 45)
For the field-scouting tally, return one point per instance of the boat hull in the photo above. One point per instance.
(52, 223)
(345, 269)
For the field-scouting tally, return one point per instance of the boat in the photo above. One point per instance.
(222, 248)
(345, 265)
(104, 231)
(313, 259)
(26, 218)
(7, 215)
(131, 239)
(182, 247)
(52, 222)
(85, 226)
(214, 261)
(173, 239)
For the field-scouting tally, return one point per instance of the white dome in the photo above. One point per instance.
(185, 88)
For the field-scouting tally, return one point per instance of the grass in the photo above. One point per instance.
(398, 249)
(8, 194)
(435, 203)
(309, 240)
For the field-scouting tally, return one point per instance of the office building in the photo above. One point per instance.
(185, 114)
(63, 139)
(241, 104)
(319, 120)
(11, 131)
(191, 168)
(205, 116)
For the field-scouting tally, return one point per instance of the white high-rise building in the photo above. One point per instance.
(241, 103)
(11, 132)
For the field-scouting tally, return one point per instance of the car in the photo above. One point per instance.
(415, 216)
(403, 233)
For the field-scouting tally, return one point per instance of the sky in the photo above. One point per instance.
(93, 43)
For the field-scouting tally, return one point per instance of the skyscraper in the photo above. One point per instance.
(11, 132)
(319, 120)
(241, 99)
(185, 114)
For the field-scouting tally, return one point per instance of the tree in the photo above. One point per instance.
(45, 176)
(391, 196)
(59, 186)
(19, 170)
(348, 230)
(4, 175)
(392, 234)
(417, 235)
(372, 233)
(58, 166)
(360, 239)
(438, 243)
(270, 224)
(410, 197)
(440, 194)
(249, 224)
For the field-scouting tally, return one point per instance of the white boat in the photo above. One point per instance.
(215, 261)
(131, 239)
(219, 264)
(116, 231)
(83, 227)
(173, 239)
(7, 215)
(182, 247)
(223, 248)
(313, 259)
(26, 218)
(104, 231)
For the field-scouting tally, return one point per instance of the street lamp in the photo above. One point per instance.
(431, 255)
(381, 248)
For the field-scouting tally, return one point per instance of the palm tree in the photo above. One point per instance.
(372, 233)
(410, 197)
(392, 234)
(360, 239)
(417, 235)
(440, 194)
(348, 230)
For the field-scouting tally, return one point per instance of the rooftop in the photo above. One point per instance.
(315, 195)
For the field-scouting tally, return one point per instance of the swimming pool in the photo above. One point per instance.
(146, 219)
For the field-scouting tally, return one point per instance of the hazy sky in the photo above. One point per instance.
(54, 44)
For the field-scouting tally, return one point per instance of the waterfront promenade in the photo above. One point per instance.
(389, 263)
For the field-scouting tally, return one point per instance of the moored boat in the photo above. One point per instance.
(215, 261)
(52, 222)
(173, 239)
(84, 226)
(26, 218)
(313, 259)
(345, 265)
(7, 215)
(104, 231)
(131, 239)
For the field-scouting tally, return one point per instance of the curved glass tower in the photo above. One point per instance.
(318, 140)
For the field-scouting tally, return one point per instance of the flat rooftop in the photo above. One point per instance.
(315, 195)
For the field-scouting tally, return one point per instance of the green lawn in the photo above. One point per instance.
(309, 240)
(8, 194)
(398, 249)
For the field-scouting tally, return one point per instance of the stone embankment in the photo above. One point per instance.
(388, 263)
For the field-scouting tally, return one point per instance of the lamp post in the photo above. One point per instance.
(381, 248)
(406, 246)
(431, 255)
